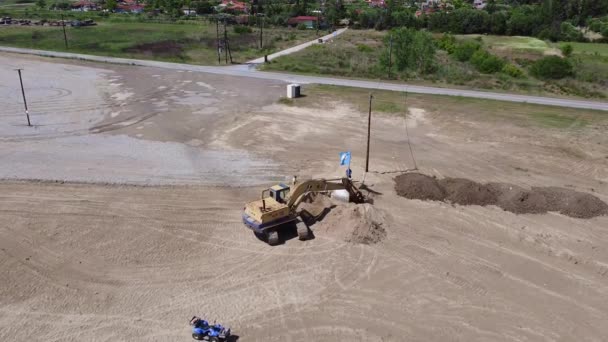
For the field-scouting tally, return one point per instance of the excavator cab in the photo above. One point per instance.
(279, 193)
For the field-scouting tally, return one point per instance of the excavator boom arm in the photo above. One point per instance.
(298, 191)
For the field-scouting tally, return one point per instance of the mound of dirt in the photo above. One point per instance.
(356, 223)
(518, 200)
(419, 186)
(509, 197)
(573, 203)
(466, 192)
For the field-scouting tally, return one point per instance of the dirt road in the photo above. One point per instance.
(110, 262)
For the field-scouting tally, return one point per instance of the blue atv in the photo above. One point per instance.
(203, 331)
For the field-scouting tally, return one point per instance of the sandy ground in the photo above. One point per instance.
(110, 262)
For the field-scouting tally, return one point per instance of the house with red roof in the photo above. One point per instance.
(308, 20)
(233, 6)
(84, 6)
(376, 3)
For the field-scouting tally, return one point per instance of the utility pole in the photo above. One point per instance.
(225, 41)
(318, 18)
(261, 21)
(217, 29)
(369, 125)
(65, 36)
(27, 114)
(390, 56)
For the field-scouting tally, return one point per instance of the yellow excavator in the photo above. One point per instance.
(278, 206)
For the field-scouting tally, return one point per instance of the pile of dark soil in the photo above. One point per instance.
(466, 192)
(509, 197)
(419, 186)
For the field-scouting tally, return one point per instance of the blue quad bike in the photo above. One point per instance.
(203, 331)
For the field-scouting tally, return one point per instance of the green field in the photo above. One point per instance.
(589, 48)
(357, 53)
(189, 42)
(512, 43)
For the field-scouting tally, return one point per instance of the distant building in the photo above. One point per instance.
(129, 8)
(308, 20)
(480, 4)
(233, 6)
(376, 3)
(84, 6)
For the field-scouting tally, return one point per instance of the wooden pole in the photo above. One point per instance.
(390, 55)
(65, 36)
(369, 125)
(27, 114)
(225, 41)
(217, 30)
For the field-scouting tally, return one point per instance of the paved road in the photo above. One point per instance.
(297, 47)
(248, 70)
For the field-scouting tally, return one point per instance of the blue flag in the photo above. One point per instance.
(344, 158)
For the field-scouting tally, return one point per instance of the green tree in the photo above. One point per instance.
(110, 5)
(412, 50)
(525, 21)
(203, 7)
(41, 3)
(552, 67)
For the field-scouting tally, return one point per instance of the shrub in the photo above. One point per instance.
(552, 67)
(447, 42)
(605, 32)
(512, 71)
(567, 50)
(463, 52)
(301, 27)
(240, 29)
(486, 63)
(570, 33)
(364, 48)
(36, 35)
(596, 25)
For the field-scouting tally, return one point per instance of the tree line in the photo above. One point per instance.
(546, 19)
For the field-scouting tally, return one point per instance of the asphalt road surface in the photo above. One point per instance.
(248, 70)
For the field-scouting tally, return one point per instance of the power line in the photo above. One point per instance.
(407, 134)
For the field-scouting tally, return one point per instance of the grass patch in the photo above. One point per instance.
(192, 42)
(521, 114)
(556, 120)
(286, 101)
(352, 54)
(588, 48)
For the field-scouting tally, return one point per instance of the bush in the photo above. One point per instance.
(301, 27)
(605, 32)
(570, 33)
(552, 67)
(364, 48)
(567, 50)
(486, 63)
(447, 42)
(596, 25)
(512, 71)
(463, 52)
(240, 29)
